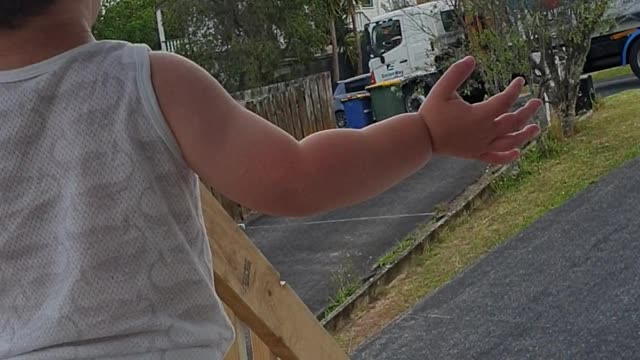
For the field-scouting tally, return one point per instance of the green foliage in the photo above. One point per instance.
(346, 283)
(342, 14)
(441, 209)
(507, 56)
(343, 294)
(598, 103)
(546, 148)
(244, 43)
(611, 74)
(348, 45)
(393, 255)
(128, 20)
(548, 46)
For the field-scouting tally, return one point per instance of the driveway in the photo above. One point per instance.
(310, 252)
(566, 288)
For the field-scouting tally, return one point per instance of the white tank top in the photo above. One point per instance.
(103, 251)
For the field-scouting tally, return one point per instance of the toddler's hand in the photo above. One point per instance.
(486, 131)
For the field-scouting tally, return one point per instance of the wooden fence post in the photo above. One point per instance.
(252, 289)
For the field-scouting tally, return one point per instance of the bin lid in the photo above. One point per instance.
(355, 96)
(387, 83)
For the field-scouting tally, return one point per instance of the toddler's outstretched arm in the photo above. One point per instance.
(260, 166)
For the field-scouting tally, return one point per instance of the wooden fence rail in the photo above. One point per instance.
(300, 107)
(271, 321)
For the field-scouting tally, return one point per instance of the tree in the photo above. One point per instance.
(564, 50)
(128, 20)
(244, 42)
(343, 14)
(333, 8)
(544, 40)
(348, 42)
(351, 9)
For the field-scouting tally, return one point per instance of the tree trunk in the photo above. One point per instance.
(334, 50)
(569, 125)
(358, 46)
(567, 114)
(569, 99)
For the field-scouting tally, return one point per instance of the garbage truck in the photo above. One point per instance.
(620, 45)
(407, 44)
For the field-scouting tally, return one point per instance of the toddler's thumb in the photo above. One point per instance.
(454, 77)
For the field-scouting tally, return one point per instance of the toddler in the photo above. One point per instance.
(103, 252)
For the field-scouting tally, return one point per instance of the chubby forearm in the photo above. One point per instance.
(339, 168)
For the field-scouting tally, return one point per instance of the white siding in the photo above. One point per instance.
(366, 13)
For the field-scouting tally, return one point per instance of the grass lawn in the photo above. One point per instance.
(545, 182)
(612, 73)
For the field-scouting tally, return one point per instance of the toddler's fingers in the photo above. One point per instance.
(502, 103)
(500, 158)
(453, 78)
(514, 140)
(514, 122)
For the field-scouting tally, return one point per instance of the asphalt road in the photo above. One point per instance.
(566, 288)
(614, 86)
(310, 253)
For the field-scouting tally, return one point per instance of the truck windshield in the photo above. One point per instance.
(450, 21)
(385, 37)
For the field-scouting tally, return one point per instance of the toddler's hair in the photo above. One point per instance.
(13, 13)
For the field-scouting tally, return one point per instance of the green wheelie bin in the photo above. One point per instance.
(387, 99)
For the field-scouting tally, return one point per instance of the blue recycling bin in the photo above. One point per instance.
(357, 109)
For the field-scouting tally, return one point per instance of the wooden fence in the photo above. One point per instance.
(271, 321)
(300, 107)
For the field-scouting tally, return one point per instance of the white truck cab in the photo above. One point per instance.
(407, 45)
(406, 41)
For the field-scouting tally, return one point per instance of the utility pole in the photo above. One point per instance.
(161, 33)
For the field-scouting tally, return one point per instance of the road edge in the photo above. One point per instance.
(472, 196)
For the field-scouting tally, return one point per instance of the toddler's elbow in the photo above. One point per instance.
(293, 200)
(293, 194)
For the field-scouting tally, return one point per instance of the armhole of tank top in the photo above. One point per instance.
(150, 101)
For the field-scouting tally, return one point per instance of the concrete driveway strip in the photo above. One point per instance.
(566, 288)
(309, 252)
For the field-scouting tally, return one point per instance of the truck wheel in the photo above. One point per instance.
(476, 95)
(413, 97)
(634, 57)
(341, 119)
